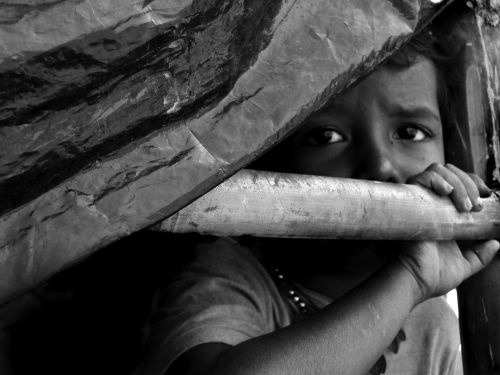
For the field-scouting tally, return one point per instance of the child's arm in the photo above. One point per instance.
(348, 336)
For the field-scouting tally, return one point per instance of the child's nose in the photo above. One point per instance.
(379, 163)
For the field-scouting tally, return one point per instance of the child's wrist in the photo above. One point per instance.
(410, 280)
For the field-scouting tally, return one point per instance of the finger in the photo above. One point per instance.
(484, 190)
(433, 181)
(481, 254)
(470, 186)
(460, 195)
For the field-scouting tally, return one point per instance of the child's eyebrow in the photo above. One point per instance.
(419, 111)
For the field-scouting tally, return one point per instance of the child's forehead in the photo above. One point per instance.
(393, 87)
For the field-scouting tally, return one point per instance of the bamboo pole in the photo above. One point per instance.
(268, 204)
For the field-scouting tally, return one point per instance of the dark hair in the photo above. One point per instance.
(430, 44)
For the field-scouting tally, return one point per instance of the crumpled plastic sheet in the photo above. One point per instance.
(117, 114)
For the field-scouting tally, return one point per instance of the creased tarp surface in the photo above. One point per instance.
(128, 121)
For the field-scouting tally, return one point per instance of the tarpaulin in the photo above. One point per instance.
(116, 114)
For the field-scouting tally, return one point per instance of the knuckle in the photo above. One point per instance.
(460, 192)
(434, 167)
(476, 179)
(434, 175)
(479, 257)
(418, 178)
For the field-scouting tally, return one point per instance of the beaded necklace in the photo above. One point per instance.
(292, 293)
(306, 307)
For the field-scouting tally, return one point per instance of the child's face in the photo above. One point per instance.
(387, 128)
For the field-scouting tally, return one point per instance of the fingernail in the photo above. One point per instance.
(495, 243)
(468, 204)
(478, 205)
(448, 187)
(485, 187)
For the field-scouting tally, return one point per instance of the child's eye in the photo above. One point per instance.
(323, 136)
(412, 133)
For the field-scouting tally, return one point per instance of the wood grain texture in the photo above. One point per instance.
(268, 204)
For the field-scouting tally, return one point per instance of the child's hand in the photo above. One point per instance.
(464, 189)
(440, 266)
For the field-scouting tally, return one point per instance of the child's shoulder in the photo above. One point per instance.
(229, 257)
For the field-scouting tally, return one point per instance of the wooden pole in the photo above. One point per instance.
(473, 146)
(268, 204)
